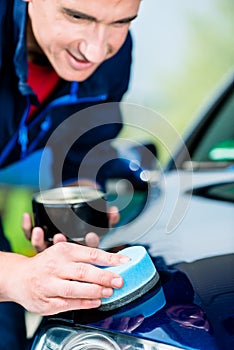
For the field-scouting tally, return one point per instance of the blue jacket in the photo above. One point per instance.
(19, 141)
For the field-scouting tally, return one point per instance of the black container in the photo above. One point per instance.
(73, 210)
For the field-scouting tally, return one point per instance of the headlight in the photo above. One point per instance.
(82, 338)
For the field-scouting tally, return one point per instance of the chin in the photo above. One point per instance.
(73, 75)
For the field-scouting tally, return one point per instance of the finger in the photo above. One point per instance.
(92, 240)
(114, 216)
(80, 253)
(59, 237)
(27, 225)
(62, 304)
(83, 272)
(75, 304)
(37, 239)
(80, 290)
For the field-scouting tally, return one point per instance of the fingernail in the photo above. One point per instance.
(124, 259)
(117, 282)
(96, 302)
(107, 292)
(36, 234)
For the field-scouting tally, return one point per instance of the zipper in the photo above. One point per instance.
(23, 140)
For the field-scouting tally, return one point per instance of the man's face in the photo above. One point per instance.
(78, 35)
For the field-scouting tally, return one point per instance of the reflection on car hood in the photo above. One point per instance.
(192, 307)
(190, 238)
(192, 242)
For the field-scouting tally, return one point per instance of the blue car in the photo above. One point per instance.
(186, 224)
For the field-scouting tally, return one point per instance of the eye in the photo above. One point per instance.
(76, 16)
(121, 24)
(124, 22)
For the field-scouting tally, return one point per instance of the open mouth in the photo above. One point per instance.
(78, 63)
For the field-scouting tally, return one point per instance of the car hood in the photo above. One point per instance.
(181, 310)
(190, 239)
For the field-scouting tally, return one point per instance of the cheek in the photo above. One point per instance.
(65, 36)
(54, 40)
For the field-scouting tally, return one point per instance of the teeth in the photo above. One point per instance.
(80, 59)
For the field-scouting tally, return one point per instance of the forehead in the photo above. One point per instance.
(102, 9)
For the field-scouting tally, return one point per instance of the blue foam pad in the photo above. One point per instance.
(139, 275)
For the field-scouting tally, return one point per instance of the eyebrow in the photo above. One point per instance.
(91, 18)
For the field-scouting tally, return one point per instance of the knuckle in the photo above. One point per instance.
(104, 278)
(110, 259)
(67, 291)
(81, 271)
(61, 247)
(93, 255)
(95, 292)
(88, 304)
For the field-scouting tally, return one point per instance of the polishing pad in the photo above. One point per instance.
(139, 275)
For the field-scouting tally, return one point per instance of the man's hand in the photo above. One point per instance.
(61, 278)
(36, 235)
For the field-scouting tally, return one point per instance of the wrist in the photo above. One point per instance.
(10, 276)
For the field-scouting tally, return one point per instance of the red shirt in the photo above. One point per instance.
(43, 80)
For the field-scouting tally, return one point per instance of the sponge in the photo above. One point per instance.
(139, 275)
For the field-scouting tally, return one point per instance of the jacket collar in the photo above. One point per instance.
(20, 57)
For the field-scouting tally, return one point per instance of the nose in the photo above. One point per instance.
(94, 47)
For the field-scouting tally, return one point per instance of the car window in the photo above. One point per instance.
(217, 142)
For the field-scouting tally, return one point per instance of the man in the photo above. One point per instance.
(58, 57)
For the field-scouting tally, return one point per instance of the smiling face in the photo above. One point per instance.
(78, 35)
